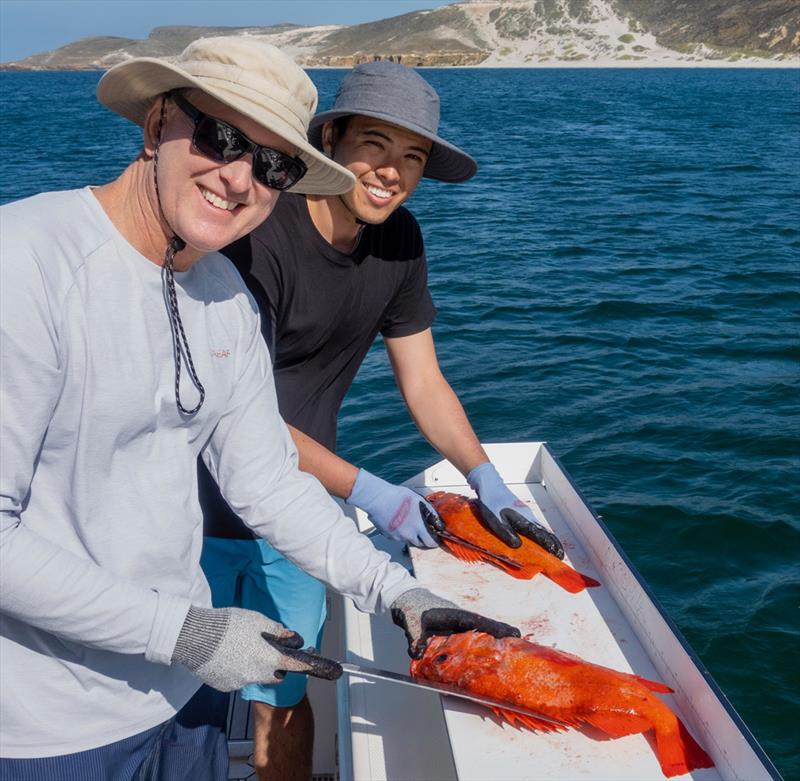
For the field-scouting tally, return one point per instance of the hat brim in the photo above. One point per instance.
(130, 88)
(446, 163)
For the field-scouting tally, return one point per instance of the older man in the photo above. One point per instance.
(130, 347)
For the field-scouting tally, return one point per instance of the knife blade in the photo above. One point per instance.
(467, 544)
(443, 688)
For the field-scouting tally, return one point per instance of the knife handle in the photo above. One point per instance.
(316, 665)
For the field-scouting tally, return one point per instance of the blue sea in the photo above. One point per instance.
(622, 280)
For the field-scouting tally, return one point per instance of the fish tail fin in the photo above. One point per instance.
(570, 579)
(617, 724)
(531, 722)
(678, 752)
(526, 572)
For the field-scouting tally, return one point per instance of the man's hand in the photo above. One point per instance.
(396, 511)
(422, 614)
(228, 648)
(505, 514)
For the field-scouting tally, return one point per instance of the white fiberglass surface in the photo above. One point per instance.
(395, 732)
(615, 625)
(588, 624)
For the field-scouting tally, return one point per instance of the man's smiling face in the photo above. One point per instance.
(208, 203)
(386, 160)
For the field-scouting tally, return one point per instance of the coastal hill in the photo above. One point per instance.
(512, 33)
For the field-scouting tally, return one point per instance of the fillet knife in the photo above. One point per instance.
(443, 688)
(467, 544)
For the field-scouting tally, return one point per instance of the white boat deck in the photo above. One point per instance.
(398, 732)
(380, 731)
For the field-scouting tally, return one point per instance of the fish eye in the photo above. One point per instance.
(440, 658)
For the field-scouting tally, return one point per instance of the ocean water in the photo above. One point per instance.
(622, 280)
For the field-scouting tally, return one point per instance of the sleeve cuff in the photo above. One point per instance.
(169, 617)
(391, 594)
(481, 474)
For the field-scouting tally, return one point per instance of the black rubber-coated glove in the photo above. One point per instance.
(228, 648)
(314, 664)
(422, 615)
(505, 514)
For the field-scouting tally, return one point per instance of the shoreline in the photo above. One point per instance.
(652, 64)
(545, 65)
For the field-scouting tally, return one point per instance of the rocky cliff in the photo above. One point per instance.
(501, 32)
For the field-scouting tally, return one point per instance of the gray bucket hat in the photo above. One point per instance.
(399, 95)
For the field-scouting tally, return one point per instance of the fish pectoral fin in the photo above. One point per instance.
(616, 724)
(462, 552)
(525, 572)
(513, 718)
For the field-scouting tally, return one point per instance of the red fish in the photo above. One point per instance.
(563, 687)
(462, 517)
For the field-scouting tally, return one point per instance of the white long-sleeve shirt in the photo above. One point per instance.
(101, 527)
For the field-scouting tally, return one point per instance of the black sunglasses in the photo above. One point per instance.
(224, 143)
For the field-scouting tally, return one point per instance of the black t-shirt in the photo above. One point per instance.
(321, 309)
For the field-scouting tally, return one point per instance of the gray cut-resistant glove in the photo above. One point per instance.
(505, 514)
(228, 648)
(396, 511)
(422, 614)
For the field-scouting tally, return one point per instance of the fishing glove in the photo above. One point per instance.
(396, 511)
(505, 514)
(422, 615)
(228, 648)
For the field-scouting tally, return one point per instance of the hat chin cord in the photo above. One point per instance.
(180, 346)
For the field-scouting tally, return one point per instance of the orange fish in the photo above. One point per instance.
(462, 518)
(562, 687)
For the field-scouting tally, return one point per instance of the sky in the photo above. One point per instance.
(31, 26)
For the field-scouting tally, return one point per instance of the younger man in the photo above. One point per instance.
(329, 273)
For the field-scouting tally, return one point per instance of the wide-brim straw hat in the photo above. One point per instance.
(246, 74)
(399, 95)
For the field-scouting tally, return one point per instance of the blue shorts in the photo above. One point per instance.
(253, 575)
(186, 748)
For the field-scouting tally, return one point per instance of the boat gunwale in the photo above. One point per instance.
(690, 652)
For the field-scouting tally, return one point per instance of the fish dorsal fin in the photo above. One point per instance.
(531, 722)
(525, 572)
